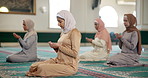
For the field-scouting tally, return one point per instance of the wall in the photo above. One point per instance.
(84, 15)
(142, 14)
(121, 10)
(13, 22)
(81, 10)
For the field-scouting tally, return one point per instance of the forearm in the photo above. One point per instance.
(99, 43)
(68, 51)
(26, 44)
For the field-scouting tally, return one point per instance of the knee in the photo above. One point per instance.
(9, 59)
(12, 58)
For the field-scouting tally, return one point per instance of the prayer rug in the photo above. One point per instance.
(87, 69)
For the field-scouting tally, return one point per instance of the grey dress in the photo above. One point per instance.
(128, 46)
(29, 50)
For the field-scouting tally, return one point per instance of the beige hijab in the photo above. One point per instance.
(103, 33)
(69, 20)
(30, 24)
(133, 21)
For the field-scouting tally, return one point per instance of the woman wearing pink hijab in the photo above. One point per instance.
(101, 43)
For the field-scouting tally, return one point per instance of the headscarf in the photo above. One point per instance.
(69, 20)
(30, 24)
(103, 33)
(133, 21)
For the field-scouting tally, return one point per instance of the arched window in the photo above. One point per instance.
(55, 7)
(109, 16)
(134, 13)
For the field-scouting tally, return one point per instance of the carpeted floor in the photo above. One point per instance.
(87, 69)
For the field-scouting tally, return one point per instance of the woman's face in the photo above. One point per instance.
(126, 22)
(24, 26)
(61, 22)
(96, 25)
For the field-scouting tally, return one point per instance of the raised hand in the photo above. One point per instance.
(53, 45)
(89, 39)
(118, 35)
(16, 36)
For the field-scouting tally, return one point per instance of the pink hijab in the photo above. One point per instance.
(103, 33)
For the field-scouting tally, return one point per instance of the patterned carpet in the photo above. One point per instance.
(87, 69)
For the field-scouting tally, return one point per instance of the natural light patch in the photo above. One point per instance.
(4, 9)
(56, 6)
(134, 13)
(109, 16)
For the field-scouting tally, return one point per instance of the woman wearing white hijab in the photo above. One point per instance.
(28, 44)
(67, 48)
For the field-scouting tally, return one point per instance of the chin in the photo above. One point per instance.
(62, 28)
(126, 26)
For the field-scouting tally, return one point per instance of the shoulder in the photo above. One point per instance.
(135, 32)
(33, 36)
(75, 32)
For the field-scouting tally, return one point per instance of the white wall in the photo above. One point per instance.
(81, 9)
(13, 22)
(121, 10)
(142, 14)
(84, 15)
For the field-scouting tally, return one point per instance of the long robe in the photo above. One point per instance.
(129, 54)
(28, 52)
(66, 62)
(98, 53)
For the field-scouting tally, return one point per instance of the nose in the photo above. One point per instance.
(124, 22)
(58, 24)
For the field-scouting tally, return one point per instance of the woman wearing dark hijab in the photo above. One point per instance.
(129, 43)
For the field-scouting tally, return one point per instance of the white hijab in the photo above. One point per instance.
(69, 20)
(30, 24)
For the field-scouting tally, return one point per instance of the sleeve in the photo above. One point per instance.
(120, 44)
(133, 43)
(28, 43)
(75, 45)
(98, 42)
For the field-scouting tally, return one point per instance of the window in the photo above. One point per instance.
(109, 16)
(55, 7)
(134, 13)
